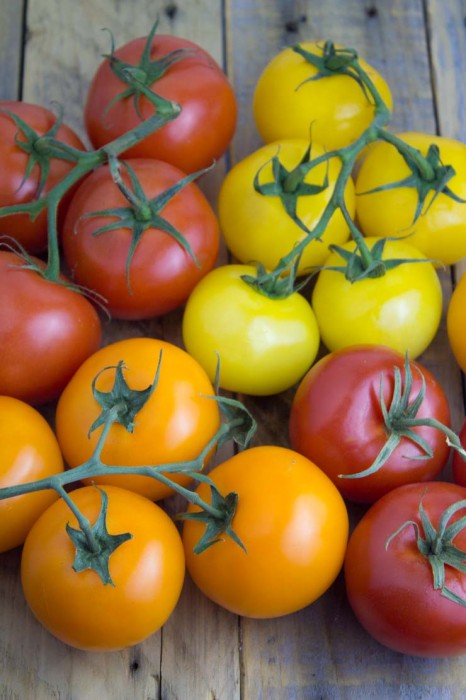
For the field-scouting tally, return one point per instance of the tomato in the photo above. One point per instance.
(458, 463)
(401, 309)
(147, 572)
(198, 135)
(390, 585)
(46, 331)
(29, 450)
(174, 425)
(15, 188)
(257, 228)
(162, 273)
(264, 345)
(336, 420)
(456, 316)
(440, 232)
(289, 103)
(292, 522)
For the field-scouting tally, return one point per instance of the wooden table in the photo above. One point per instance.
(49, 50)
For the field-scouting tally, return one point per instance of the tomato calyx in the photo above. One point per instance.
(145, 73)
(333, 61)
(142, 213)
(428, 174)
(94, 544)
(362, 262)
(41, 149)
(279, 283)
(400, 419)
(121, 404)
(218, 519)
(289, 185)
(437, 546)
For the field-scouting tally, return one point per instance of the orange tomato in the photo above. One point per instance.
(28, 451)
(456, 322)
(147, 572)
(174, 425)
(294, 526)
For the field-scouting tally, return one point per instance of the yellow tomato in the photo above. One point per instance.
(400, 309)
(334, 109)
(28, 451)
(440, 232)
(264, 345)
(257, 227)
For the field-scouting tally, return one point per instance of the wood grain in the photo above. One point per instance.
(204, 652)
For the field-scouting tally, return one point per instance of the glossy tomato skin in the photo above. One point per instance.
(257, 227)
(197, 136)
(390, 588)
(440, 232)
(458, 464)
(174, 425)
(14, 188)
(46, 331)
(456, 322)
(402, 309)
(337, 422)
(28, 451)
(334, 110)
(293, 523)
(147, 573)
(162, 274)
(263, 345)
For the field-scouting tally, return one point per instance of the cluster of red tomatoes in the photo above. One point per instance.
(138, 236)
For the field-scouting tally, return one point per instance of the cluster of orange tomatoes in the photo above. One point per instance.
(368, 215)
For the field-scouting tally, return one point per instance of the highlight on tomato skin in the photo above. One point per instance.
(293, 524)
(147, 572)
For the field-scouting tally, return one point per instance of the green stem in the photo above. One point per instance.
(402, 147)
(83, 522)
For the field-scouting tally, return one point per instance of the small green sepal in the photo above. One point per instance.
(121, 402)
(428, 174)
(216, 527)
(438, 548)
(94, 549)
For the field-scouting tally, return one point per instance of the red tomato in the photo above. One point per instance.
(14, 187)
(46, 332)
(458, 463)
(336, 420)
(147, 572)
(162, 273)
(390, 585)
(197, 136)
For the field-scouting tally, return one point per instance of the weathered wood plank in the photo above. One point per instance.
(11, 36)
